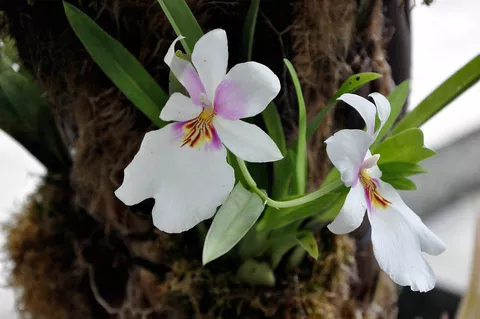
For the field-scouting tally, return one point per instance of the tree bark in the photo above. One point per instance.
(114, 264)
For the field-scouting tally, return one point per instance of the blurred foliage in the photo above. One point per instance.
(25, 114)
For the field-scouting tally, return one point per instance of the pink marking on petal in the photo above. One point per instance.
(215, 144)
(193, 84)
(177, 129)
(229, 100)
(197, 133)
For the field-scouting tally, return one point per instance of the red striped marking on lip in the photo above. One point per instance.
(372, 192)
(199, 131)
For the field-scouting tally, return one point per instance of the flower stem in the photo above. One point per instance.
(287, 203)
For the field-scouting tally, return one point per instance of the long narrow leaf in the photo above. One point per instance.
(26, 116)
(249, 29)
(183, 22)
(119, 65)
(448, 91)
(397, 100)
(300, 180)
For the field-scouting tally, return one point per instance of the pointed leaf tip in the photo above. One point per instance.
(232, 221)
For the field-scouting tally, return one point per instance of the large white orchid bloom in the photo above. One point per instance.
(398, 234)
(183, 165)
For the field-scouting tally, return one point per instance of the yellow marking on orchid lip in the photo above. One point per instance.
(371, 190)
(199, 130)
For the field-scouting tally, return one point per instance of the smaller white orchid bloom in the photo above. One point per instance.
(183, 165)
(398, 234)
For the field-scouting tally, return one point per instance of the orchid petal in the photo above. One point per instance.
(383, 109)
(246, 91)
(429, 242)
(364, 107)
(185, 73)
(352, 212)
(346, 150)
(246, 141)
(188, 184)
(398, 238)
(210, 58)
(373, 170)
(179, 108)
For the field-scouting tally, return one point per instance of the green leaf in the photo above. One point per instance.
(232, 160)
(273, 218)
(351, 84)
(274, 127)
(26, 117)
(397, 100)
(332, 212)
(183, 22)
(295, 258)
(401, 183)
(256, 274)
(308, 242)
(406, 147)
(355, 82)
(281, 171)
(253, 244)
(174, 86)
(300, 178)
(249, 29)
(280, 247)
(283, 217)
(394, 170)
(232, 221)
(448, 91)
(119, 65)
(314, 123)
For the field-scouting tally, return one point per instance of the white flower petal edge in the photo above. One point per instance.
(184, 72)
(397, 237)
(364, 107)
(246, 91)
(179, 108)
(383, 109)
(188, 184)
(246, 141)
(346, 150)
(429, 242)
(210, 58)
(352, 213)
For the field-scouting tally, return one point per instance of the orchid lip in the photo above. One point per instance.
(199, 131)
(372, 193)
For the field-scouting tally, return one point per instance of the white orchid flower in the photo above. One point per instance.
(398, 234)
(183, 165)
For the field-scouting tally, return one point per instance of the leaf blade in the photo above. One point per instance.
(308, 242)
(118, 64)
(397, 99)
(183, 22)
(300, 180)
(249, 29)
(407, 147)
(233, 220)
(448, 91)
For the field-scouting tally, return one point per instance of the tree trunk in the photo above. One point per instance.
(78, 252)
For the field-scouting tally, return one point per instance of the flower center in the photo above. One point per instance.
(199, 130)
(371, 191)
